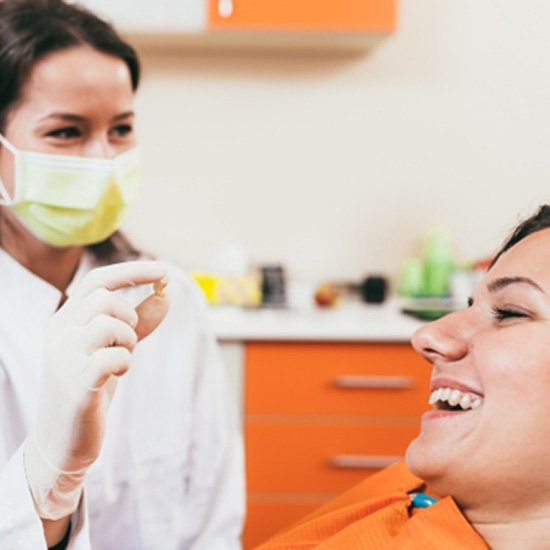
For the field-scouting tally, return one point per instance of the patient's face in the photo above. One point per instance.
(496, 355)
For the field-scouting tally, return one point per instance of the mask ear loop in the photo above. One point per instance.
(5, 199)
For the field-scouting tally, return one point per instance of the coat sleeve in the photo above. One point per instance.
(216, 481)
(20, 526)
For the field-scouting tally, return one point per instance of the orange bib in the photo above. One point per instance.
(377, 514)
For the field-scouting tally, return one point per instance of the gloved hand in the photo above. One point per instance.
(89, 344)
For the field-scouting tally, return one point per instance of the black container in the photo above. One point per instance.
(374, 289)
(273, 286)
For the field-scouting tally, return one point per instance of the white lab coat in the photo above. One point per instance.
(170, 473)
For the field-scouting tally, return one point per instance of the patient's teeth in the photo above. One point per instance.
(465, 401)
(475, 403)
(454, 398)
(434, 398)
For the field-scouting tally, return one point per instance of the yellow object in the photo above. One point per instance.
(208, 285)
(244, 290)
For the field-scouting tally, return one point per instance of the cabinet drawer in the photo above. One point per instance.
(302, 378)
(268, 515)
(326, 457)
(305, 15)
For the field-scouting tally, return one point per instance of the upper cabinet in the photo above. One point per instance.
(252, 22)
(303, 15)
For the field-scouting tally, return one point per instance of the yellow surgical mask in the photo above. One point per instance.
(68, 200)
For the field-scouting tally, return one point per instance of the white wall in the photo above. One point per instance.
(338, 164)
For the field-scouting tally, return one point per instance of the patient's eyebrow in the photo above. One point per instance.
(502, 282)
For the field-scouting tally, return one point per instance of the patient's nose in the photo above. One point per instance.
(446, 338)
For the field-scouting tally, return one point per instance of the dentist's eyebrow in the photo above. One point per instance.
(124, 115)
(503, 282)
(64, 116)
(77, 118)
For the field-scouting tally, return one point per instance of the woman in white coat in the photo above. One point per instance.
(106, 441)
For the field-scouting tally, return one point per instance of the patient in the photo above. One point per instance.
(483, 452)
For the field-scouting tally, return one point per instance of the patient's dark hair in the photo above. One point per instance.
(538, 221)
(32, 29)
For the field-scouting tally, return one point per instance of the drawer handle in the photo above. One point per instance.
(225, 8)
(370, 462)
(374, 382)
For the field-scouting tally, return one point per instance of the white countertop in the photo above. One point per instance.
(352, 322)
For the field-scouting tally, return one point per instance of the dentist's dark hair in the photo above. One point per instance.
(537, 222)
(33, 29)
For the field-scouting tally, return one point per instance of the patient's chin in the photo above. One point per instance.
(423, 462)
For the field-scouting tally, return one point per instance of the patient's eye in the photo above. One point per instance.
(502, 314)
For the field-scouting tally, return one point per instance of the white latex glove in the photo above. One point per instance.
(89, 344)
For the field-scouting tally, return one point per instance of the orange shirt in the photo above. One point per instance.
(376, 514)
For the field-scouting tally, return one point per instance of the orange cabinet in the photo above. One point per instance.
(303, 15)
(320, 417)
(319, 457)
(257, 23)
(334, 379)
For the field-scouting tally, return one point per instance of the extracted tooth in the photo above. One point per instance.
(454, 397)
(445, 394)
(466, 401)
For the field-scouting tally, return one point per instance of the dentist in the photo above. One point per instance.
(106, 441)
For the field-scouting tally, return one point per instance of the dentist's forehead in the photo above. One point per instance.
(64, 79)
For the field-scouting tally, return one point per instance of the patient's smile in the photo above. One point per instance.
(449, 399)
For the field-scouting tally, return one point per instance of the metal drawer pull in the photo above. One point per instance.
(375, 382)
(370, 462)
(225, 8)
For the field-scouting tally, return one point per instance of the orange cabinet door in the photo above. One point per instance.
(322, 457)
(303, 15)
(343, 379)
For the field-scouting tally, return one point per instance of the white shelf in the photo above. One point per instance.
(353, 322)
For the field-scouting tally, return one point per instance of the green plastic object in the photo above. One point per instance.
(411, 278)
(438, 262)
(430, 275)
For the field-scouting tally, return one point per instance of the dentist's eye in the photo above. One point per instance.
(502, 314)
(65, 133)
(122, 130)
